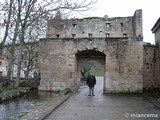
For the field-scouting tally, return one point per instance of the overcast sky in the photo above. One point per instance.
(122, 8)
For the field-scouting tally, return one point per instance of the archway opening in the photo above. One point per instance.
(90, 61)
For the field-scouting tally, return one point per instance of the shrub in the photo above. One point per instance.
(67, 91)
(29, 83)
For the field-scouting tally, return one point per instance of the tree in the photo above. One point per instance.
(91, 66)
(30, 57)
(13, 37)
(7, 21)
(84, 70)
(26, 13)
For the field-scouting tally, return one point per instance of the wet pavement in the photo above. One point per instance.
(80, 106)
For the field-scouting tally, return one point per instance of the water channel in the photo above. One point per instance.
(14, 107)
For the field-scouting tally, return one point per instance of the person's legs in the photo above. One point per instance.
(93, 91)
(90, 90)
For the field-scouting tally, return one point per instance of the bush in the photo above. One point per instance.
(29, 83)
(83, 78)
(11, 87)
(67, 91)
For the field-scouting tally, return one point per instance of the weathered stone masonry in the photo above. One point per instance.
(152, 61)
(151, 68)
(115, 43)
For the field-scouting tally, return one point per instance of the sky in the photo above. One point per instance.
(124, 8)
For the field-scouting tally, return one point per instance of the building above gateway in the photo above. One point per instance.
(96, 27)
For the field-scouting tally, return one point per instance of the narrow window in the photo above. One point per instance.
(75, 26)
(0, 63)
(57, 35)
(83, 32)
(108, 25)
(90, 35)
(100, 32)
(121, 24)
(73, 35)
(124, 35)
(107, 35)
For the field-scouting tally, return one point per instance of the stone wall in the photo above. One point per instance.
(123, 62)
(151, 67)
(96, 27)
(124, 67)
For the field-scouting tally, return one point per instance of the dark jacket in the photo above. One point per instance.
(91, 81)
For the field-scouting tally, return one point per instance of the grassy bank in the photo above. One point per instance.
(9, 91)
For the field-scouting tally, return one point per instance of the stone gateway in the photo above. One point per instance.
(115, 43)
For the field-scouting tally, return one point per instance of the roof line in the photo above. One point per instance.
(156, 26)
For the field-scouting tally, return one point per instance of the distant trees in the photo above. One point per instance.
(25, 21)
(91, 66)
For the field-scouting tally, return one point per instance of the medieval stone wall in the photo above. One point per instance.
(116, 43)
(123, 63)
(151, 68)
(96, 27)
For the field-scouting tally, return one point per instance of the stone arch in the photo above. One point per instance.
(86, 55)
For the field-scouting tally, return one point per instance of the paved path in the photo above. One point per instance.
(80, 106)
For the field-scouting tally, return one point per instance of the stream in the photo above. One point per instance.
(15, 106)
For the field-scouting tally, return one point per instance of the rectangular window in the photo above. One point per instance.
(57, 35)
(124, 35)
(107, 35)
(108, 25)
(0, 63)
(73, 35)
(121, 24)
(75, 26)
(100, 32)
(90, 35)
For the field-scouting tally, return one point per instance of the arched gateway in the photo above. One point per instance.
(121, 54)
(86, 55)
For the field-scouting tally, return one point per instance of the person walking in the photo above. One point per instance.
(91, 82)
